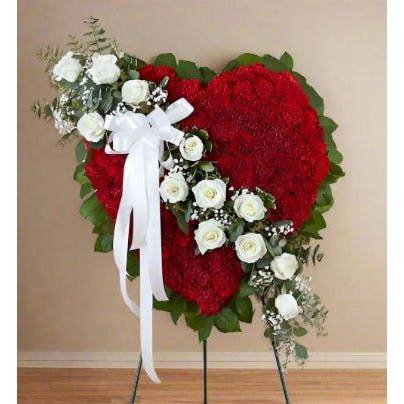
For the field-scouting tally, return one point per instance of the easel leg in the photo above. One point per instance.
(281, 374)
(136, 382)
(205, 373)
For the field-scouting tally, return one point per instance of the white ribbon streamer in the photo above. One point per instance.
(142, 138)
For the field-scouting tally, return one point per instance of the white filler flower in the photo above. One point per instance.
(210, 193)
(250, 207)
(174, 188)
(91, 126)
(68, 68)
(284, 266)
(191, 148)
(104, 69)
(209, 235)
(287, 306)
(250, 247)
(135, 91)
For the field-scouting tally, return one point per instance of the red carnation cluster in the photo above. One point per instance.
(210, 280)
(265, 134)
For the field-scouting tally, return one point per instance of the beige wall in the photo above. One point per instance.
(68, 295)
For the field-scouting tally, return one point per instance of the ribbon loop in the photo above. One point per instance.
(142, 138)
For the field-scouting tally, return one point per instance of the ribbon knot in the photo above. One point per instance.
(142, 138)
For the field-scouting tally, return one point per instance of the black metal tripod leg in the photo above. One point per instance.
(281, 374)
(136, 381)
(205, 372)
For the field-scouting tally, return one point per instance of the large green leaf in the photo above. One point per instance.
(188, 70)
(287, 60)
(227, 321)
(207, 74)
(166, 59)
(245, 310)
(272, 63)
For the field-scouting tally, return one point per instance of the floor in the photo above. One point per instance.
(186, 386)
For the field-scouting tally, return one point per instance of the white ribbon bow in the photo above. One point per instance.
(142, 138)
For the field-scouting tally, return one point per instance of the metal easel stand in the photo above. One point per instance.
(205, 376)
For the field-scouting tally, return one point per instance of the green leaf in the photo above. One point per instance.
(178, 305)
(244, 309)
(207, 74)
(299, 331)
(133, 74)
(92, 209)
(103, 243)
(334, 173)
(236, 229)
(166, 59)
(106, 102)
(81, 152)
(195, 321)
(230, 65)
(207, 166)
(335, 156)
(188, 70)
(246, 267)
(85, 189)
(80, 175)
(328, 124)
(132, 265)
(181, 221)
(287, 60)
(315, 100)
(248, 59)
(227, 321)
(301, 351)
(315, 223)
(324, 199)
(273, 64)
(206, 328)
(245, 289)
(97, 145)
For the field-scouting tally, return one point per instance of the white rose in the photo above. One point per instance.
(209, 235)
(250, 207)
(104, 69)
(135, 91)
(91, 126)
(191, 148)
(250, 247)
(284, 266)
(174, 188)
(210, 193)
(68, 68)
(287, 306)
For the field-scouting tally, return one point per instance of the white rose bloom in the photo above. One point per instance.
(91, 126)
(174, 188)
(209, 235)
(135, 91)
(250, 247)
(287, 306)
(68, 68)
(191, 148)
(250, 207)
(210, 193)
(104, 69)
(284, 266)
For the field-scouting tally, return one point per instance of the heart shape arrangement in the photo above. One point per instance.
(244, 186)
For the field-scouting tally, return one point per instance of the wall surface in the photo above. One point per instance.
(69, 296)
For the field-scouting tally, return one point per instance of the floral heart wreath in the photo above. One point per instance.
(246, 159)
